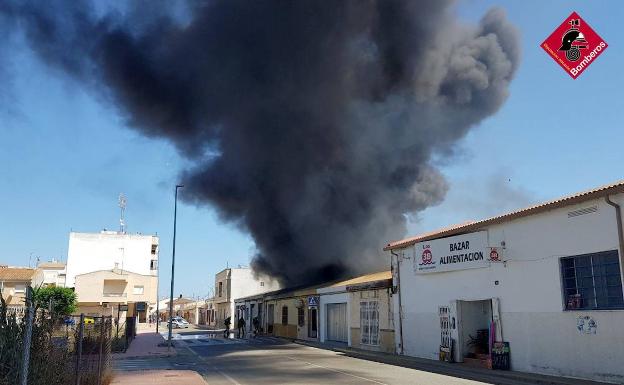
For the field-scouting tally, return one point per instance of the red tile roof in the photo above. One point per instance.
(580, 197)
(16, 274)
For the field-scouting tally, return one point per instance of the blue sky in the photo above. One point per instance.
(65, 155)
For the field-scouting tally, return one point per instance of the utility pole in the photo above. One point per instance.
(175, 217)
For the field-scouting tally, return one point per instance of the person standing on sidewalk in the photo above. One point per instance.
(256, 326)
(227, 322)
(241, 327)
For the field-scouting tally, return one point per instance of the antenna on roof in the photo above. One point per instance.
(122, 205)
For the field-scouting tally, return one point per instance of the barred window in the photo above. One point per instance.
(369, 322)
(592, 281)
(285, 315)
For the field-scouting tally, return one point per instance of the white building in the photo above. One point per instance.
(106, 250)
(54, 273)
(546, 279)
(113, 269)
(233, 283)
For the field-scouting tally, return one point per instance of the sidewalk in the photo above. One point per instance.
(158, 377)
(454, 369)
(145, 344)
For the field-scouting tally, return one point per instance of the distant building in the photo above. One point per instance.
(15, 280)
(54, 273)
(232, 283)
(109, 269)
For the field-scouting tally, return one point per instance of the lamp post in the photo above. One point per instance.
(175, 214)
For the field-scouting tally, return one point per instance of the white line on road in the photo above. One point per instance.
(233, 381)
(338, 371)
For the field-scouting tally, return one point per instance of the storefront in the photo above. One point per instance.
(540, 286)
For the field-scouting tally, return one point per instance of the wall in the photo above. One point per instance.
(543, 337)
(386, 319)
(90, 252)
(91, 287)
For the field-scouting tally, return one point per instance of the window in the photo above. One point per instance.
(285, 315)
(20, 288)
(592, 281)
(261, 283)
(300, 316)
(369, 322)
(138, 290)
(154, 264)
(220, 289)
(154, 249)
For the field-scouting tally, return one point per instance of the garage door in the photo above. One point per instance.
(337, 322)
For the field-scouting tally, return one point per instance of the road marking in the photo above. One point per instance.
(338, 371)
(233, 381)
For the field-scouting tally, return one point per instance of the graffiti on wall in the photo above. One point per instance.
(586, 325)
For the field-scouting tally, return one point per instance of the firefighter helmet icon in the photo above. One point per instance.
(573, 41)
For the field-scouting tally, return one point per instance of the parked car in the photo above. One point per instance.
(179, 322)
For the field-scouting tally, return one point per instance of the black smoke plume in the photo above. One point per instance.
(312, 124)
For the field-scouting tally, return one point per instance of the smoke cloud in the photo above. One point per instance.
(310, 124)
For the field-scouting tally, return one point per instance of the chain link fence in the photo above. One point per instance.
(74, 350)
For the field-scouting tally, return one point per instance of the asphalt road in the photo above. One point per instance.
(270, 361)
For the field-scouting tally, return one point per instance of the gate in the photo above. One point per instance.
(337, 322)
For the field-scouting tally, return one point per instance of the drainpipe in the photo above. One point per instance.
(618, 214)
(400, 302)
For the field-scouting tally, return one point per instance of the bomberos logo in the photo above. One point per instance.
(574, 45)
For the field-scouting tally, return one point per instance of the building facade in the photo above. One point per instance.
(110, 269)
(543, 284)
(232, 283)
(106, 250)
(14, 282)
(111, 292)
(54, 273)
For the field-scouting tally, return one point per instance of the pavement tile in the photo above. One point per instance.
(158, 377)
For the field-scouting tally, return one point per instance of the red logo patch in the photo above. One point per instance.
(427, 257)
(574, 45)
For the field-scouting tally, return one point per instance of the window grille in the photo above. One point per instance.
(592, 281)
(369, 322)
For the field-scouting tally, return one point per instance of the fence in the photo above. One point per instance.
(73, 350)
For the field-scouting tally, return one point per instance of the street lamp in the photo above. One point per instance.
(175, 214)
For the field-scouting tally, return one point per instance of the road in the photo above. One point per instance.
(267, 360)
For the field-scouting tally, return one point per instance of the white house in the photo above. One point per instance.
(547, 280)
(233, 283)
(54, 273)
(106, 250)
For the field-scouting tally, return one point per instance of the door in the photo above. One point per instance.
(312, 322)
(337, 322)
(270, 316)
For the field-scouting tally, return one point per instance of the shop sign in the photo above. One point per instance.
(467, 251)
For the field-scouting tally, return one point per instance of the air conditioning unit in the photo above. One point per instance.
(105, 305)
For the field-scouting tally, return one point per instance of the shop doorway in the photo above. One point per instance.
(312, 322)
(475, 320)
(270, 316)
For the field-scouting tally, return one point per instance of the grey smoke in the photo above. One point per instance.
(311, 124)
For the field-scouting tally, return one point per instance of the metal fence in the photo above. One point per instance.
(73, 350)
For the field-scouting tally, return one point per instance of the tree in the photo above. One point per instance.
(62, 299)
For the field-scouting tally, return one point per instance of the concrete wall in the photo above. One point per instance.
(543, 336)
(386, 319)
(89, 252)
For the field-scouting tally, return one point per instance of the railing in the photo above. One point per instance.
(120, 295)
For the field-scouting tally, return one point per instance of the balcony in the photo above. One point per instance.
(116, 295)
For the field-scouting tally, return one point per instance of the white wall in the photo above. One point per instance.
(340, 297)
(543, 337)
(90, 252)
